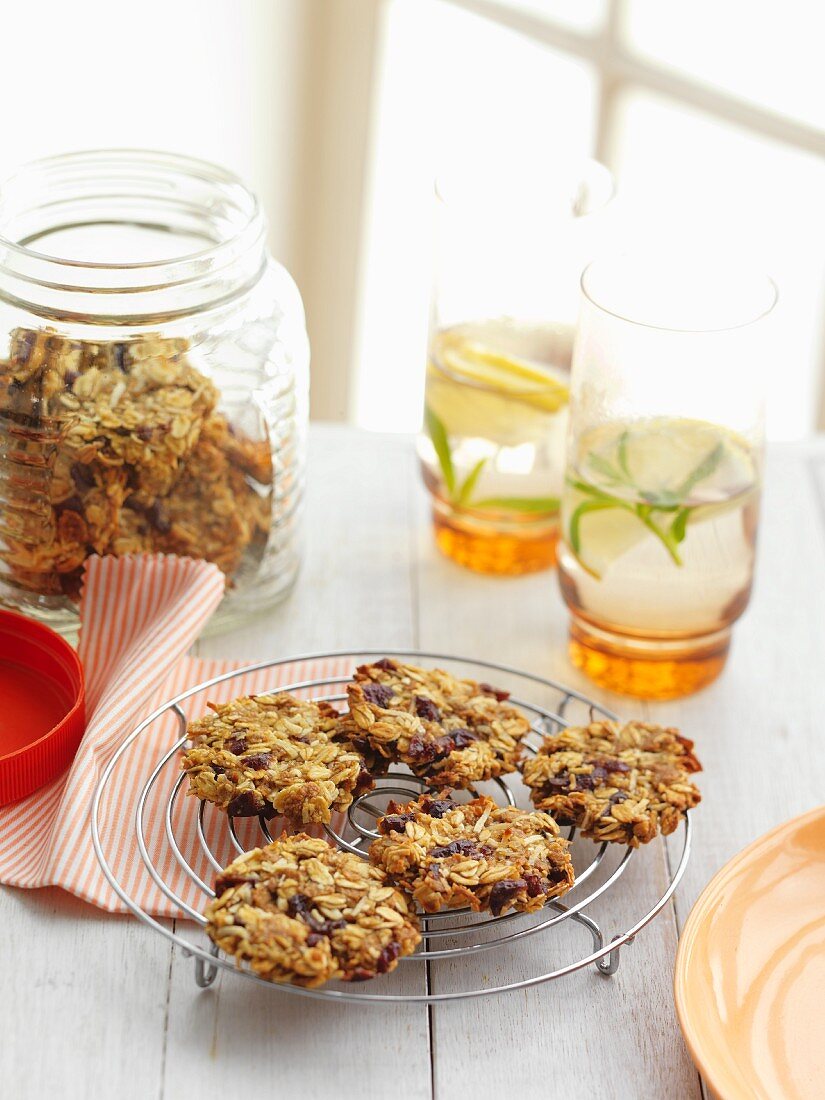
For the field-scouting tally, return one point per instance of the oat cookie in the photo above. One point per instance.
(623, 783)
(451, 732)
(273, 754)
(300, 911)
(212, 512)
(137, 404)
(117, 447)
(447, 855)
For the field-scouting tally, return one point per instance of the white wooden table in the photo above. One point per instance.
(93, 1006)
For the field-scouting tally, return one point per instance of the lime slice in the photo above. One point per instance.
(604, 536)
(668, 461)
(508, 375)
(655, 479)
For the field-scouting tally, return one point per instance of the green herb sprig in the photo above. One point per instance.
(662, 513)
(462, 494)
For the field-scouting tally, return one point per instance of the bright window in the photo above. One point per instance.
(456, 91)
(707, 126)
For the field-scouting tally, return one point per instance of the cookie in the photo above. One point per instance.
(300, 911)
(446, 855)
(619, 783)
(118, 448)
(212, 511)
(453, 733)
(273, 754)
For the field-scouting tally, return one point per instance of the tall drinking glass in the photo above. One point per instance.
(664, 460)
(510, 253)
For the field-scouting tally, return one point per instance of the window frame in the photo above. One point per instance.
(618, 70)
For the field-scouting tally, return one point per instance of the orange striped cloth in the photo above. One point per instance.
(139, 616)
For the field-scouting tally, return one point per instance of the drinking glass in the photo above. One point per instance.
(664, 465)
(509, 257)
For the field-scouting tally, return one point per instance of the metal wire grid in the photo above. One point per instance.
(467, 932)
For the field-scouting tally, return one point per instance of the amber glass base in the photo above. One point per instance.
(486, 549)
(647, 669)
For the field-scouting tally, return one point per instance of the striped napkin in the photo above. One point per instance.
(139, 616)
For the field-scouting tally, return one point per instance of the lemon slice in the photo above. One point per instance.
(512, 377)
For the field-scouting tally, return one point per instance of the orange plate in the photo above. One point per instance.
(750, 970)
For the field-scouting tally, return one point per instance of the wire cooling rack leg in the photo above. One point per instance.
(205, 973)
(610, 963)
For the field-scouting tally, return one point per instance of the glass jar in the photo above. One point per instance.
(154, 376)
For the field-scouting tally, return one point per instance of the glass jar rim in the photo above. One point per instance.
(140, 190)
(659, 262)
(204, 170)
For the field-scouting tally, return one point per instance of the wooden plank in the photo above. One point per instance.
(83, 1003)
(86, 996)
(582, 1035)
(355, 590)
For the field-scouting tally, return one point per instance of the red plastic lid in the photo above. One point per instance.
(42, 705)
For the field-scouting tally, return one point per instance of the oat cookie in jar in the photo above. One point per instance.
(153, 379)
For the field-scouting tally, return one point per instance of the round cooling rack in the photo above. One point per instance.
(450, 938)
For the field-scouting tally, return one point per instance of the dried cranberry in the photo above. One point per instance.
(488, 689)
(82, 478)
(559, 782)
(246, 804)
(259, 760)
(360, 975)
(386, 664)
(326, 927)
(462, 738)
(437, 807)
(557, 874)
(388, 957)
(587, 782)
(535, 886)
(364, 782)
(298, 905)
(615, 766)
(617, 796)
(421, 751)
(159, 519)
(119, 352)
(503, 892)
(73, 504)
(237, 745)
(426, 708)
(144, 432)
(394, 823)
(313, 939)
(380, 695)
(23, 346)
(466, 848)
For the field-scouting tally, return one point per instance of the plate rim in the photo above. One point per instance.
(698, 914)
